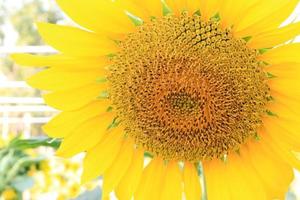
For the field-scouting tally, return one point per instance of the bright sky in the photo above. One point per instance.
(10, 35)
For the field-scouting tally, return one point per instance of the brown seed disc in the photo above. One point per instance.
(185, 89)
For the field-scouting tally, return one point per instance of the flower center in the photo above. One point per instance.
(186, 89)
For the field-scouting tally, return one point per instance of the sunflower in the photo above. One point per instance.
(186, 85)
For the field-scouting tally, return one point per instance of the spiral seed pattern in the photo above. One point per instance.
(187, 90)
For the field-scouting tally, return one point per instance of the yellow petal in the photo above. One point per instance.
(56, 79)
(192, 187)
(275, 37)
(279, 133)
(30, 60)
(282, 54)
(289, 103)
(130, 180)
(65, 122)
(98, 16)
(61, 61)
(232, 10)
(177, 6)
(257, 12)
(100, 158)
(132, 7)
(216, 180)
(252, 177)
(86, 135)
(287, 93)
(151, 7)
(283, 111)
(285, 70)
(151, 181)
(172, 186)
(286, 87)
(270, 19)
(280, 148)
(270, 168)
(241, 184)
(288, 129)
(73, 99)
(74, 41)
(193, 6)
(209, 8)
(114, 174)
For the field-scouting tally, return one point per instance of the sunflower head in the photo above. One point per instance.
(187, 90)
(195, 85)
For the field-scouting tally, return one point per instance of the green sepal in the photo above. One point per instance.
(103, 95)
(270, 113)
(112, 55)
(270, 98)
(256, 137)
(153, 18)
(263, 50)
(216, 17)
(109, 109)
(101, 80)
(117, 42)
(148, 154)
(166, 9)
(224, 158)
(136, 20)
(114, 123)
(269, 75)
(198, 13)
(247, 39)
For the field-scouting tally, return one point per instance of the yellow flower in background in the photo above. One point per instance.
(45, 166)
(9, 194)
(185, 81)
(74, 190)
(32, 170)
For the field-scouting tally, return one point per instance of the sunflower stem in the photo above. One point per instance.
(202, 180)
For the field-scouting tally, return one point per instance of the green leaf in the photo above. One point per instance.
(19, 165)
(7, 160)
(34, 143)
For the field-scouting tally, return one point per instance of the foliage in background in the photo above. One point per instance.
(15, 163)
(22, 19)
(17, 19)
(23, 169)
(2, 13)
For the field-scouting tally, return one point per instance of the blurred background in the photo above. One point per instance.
(28, 169)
